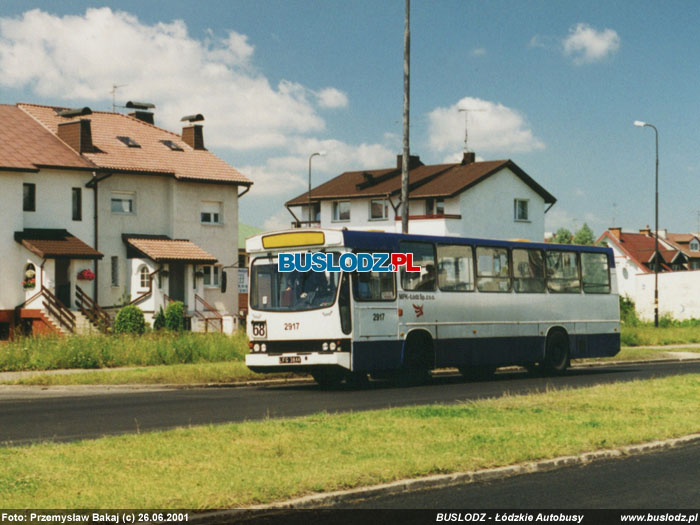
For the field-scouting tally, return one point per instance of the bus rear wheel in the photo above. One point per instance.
(556, 357)
(328, 378)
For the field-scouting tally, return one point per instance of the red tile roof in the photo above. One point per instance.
(26, 146)
(55, 244)
(441, 180)
(151, 157)
(640, 248)
(160, 248)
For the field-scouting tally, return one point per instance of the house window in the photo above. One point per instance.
(211, 276)
(115, 270)
(695, 265)
(694, 245)
(378, 209)
(210, 213)
(434, 206)
(520, 207)
(128, 141)
(144, 277)
(29, 197)
(77, 204)
(341, 211)
(123, 203)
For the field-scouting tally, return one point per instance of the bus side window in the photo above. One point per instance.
(595, 273)
(374, 286)
(563, 272)
(493, 272)
(528, 271)
(423, 256)
(455, 268)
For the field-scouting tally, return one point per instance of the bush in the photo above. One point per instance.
(628, 314)
(130, 320)
(175, 316)
(159, 320)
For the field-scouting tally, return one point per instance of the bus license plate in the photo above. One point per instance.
(290, 359)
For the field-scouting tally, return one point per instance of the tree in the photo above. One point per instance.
(584, 236)
(563, 236)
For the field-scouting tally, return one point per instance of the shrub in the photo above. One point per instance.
(628, 314)
(175, 316)
(159, 320)
(130, 320)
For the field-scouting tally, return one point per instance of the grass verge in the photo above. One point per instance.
(108, 351)
(236, 372)
(648, 335)
(235, 465)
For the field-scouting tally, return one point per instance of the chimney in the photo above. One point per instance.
(468, 158)
(145, 116)
(193, 136)
(663, 233)
(645, 231)
(615, 232)
(413, 161)
(77, 134)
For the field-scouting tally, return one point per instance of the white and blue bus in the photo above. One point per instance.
(475, 305)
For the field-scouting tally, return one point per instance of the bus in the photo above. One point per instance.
(475, 305)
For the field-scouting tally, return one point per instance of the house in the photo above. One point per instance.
(635, 260)
(104, 209)
(493, 199)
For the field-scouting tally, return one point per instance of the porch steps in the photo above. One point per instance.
(83, 326)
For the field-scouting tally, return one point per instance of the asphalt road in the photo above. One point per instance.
(71, 414)
(663, 480)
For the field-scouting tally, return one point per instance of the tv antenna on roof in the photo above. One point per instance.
(114, 92)
(466, 124)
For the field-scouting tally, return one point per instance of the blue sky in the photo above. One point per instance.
(561, 83)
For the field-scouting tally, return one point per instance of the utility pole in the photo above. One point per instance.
(406, 98)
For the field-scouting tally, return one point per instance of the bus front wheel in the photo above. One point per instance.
(556, 357)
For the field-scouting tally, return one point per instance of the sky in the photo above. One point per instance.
(553, 85)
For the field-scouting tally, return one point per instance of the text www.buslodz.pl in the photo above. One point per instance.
(347, 262)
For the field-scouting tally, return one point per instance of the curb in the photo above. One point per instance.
(447, 480)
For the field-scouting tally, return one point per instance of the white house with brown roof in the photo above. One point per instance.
(494, 199)
(104, 208)
(678, 260)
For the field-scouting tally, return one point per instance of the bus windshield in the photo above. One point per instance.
(272, 290)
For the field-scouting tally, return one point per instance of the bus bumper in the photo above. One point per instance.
(297, 362)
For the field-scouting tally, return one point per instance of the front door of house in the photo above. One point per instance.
(176, 282)
(62, 281)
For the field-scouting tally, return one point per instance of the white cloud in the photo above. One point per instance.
(494, 127)
(332, 98)
(79, 58)
(586, 45)
(288, 175)
(479, 51)
(282, 220)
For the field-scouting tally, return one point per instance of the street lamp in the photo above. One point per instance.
(320, 154)
(641, 124)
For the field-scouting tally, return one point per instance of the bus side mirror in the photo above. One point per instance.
(224, 281)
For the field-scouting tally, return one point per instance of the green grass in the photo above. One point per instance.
(648, 335)
(188, 374)
(102, 351)
(236, 465)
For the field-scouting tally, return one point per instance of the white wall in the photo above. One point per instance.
(679, 294)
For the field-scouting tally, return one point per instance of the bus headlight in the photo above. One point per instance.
(263, 347)
(256, 347)
(332, 347)
(324, 347)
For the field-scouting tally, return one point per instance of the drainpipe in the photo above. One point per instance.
(92, 184)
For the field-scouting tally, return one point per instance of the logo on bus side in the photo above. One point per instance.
(347, 262)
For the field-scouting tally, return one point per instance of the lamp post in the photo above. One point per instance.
(641, 124)
(320, 154)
